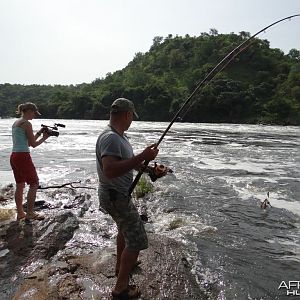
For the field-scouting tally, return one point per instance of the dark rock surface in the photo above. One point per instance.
(41, 260)
(6, 193)
(29, 244)
(163, 274)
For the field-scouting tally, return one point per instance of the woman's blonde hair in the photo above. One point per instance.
(25, 107)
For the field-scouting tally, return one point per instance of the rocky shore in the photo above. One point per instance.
(35, 263)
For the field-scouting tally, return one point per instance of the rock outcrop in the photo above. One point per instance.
(28, 244)
(38, 263)
(164, 273)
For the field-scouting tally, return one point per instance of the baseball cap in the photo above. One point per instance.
(34, 108)
(123, 104)
(28, 106)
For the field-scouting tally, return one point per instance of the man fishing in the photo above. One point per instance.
(115, 164)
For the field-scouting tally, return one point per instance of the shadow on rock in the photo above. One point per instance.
(164, 273)
(26, 247)
(18, 240)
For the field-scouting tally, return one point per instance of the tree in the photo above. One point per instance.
(260, 84)
(213, 31)
(294, 54)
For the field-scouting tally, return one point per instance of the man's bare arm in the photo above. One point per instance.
(114, 166)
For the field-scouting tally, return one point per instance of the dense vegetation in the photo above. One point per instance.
(261, 85)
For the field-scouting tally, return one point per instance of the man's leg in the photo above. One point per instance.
(128, 260)
(120, 248)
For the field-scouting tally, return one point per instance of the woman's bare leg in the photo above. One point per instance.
(31, 195)
(19, 199)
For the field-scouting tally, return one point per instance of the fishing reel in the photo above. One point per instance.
(156, 171)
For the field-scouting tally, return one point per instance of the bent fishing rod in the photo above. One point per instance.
(208, 78)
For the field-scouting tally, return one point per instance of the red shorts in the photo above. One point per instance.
(23, 168)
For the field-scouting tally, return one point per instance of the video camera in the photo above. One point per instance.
(52, 130)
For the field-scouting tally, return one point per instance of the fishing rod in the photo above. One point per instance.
(208, 78)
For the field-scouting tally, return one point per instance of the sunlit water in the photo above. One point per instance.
(221, 174)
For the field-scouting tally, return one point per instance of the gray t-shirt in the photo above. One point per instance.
(113, 144)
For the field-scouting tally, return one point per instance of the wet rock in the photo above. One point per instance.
(164, 273)
(39, 205)
(33, 267)
(175, 280)
(69, 286)
(81, 203)
(58, 231)
(7, 193)
(32, 244)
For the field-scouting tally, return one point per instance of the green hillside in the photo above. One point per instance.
(261, 85)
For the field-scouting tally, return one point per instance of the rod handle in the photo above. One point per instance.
(137, 178)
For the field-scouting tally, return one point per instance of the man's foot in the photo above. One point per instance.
(132, 292)
(34, 216)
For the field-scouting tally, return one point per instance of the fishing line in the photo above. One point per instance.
(217, 69)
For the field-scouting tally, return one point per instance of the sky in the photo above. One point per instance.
(75, 41)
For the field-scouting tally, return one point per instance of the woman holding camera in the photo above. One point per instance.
(20, 159)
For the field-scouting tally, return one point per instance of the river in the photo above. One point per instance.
(222, 172)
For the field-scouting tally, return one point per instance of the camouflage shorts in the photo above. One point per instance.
(125, 214)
